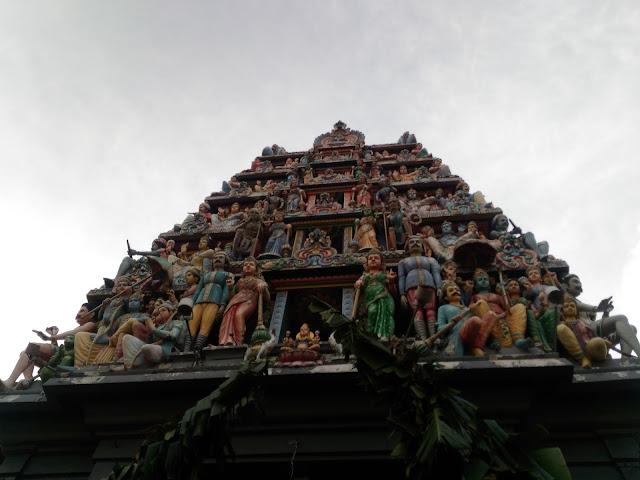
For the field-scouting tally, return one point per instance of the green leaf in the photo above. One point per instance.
(417, 391)
(400, 450)
(553, 463)
(476, 469)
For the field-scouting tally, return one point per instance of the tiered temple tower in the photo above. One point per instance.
(313, 220)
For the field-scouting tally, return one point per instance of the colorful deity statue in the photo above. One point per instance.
(308, 176)
(248, 291)
(296, 197)
(406, 138)
(362, 192)
(375, 171)
(419, 278)
(357, 170)
(468, 335)
(614, 327)
(398, 225)
(89, 346)
(202, 258)
(245, 241)
(541, 330)
(40, 354)
(378, 287)
(516, 240)
(438, 169)
(165, 333)
(578, 338)
(512, 320)
(279, 234)
(414, 205)
(209, 300)
(403, 175)
(306, 340)
(383, 196)
(133, 323)
(365, 233)
(273, 202)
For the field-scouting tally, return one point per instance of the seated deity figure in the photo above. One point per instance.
(279, 232)
(413, 205)
(132, 323)
(41, 353)
(467, 335)
(306, 340)
(415, 273)
(501, 235)
(365, 233)
(403, 175)
(578, 338)
(444, 246)
(362, 192)
(541, 330)
(165, 334)
(438, 169)
(511, 326)
(89, 346)
(248, 291)
(379, 286)
(616, 328)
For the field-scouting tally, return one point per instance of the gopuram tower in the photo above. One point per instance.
(385, 234)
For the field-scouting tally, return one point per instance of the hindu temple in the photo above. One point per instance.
(386, 235)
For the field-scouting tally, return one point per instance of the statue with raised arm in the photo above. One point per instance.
(515, 238)
(616, 327)
(41, 353)
(378, 286)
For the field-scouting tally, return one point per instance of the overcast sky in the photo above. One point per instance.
(117, 118)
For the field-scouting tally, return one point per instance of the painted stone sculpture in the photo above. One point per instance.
(210, 298)
(248, 291)
(512, 321)
(418, 273)
(378, 286)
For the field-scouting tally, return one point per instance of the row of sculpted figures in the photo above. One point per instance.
(145, 320)
(466, 317)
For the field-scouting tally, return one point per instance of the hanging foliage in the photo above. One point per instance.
(441, 434)
(176, 450)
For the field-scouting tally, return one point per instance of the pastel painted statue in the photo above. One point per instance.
(378, 287)
(419, 272)
(247, 292)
